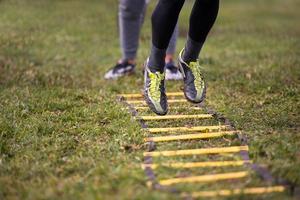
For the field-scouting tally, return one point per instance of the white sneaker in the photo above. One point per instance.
(172, 72)
(120, 69)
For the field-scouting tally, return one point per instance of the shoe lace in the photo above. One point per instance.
(155, 81)
(195, 67)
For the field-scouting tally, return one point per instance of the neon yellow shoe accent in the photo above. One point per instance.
(199, 82)
(155, 81)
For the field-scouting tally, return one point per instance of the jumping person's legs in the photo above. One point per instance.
(164, 19)
(172, 72)
(202, 18)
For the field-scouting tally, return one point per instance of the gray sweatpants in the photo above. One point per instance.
(131, 18)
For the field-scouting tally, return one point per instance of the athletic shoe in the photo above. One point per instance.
(154, 91)
(172, 72)
(194, 85)
(120, 69)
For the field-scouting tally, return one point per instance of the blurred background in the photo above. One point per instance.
(63, 135)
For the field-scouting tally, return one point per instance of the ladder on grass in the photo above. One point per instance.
(222, 129)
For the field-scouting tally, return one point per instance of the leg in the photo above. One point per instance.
(171, 71)
(202, 18)
(164, 19)
(130, 20)
(172, 44)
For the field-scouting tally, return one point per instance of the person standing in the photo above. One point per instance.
(131, 18)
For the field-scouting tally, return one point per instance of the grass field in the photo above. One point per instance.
(64, 136)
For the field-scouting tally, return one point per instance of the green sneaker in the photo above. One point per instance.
(194, 85)
(154, 91)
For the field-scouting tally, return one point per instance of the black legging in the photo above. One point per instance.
(165, 16)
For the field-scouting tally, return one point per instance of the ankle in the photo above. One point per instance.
(191, 50)
(129, 61)
(156, 60)
(169, 58)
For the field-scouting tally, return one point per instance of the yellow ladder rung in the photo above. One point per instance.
(131, 95)
(170, 94)
(167, 117)
(226, 192)
(190, 136)
(198, 164)
(187, 129)
(170, 108)
(144, 103)
(205, 178)
(186, 152)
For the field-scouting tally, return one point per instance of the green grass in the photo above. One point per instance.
(64, 136)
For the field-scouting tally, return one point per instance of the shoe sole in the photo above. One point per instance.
(152, 108)
(201, 99)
